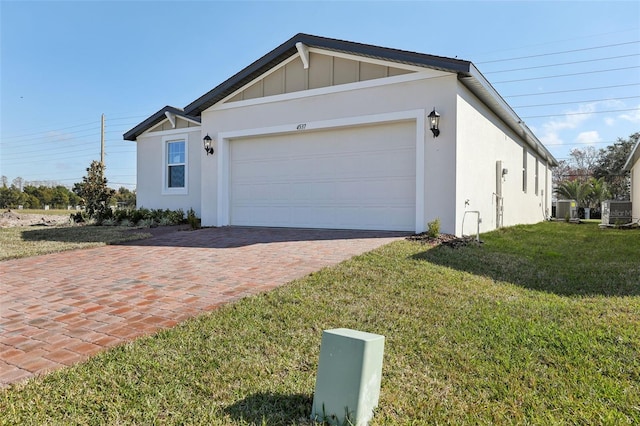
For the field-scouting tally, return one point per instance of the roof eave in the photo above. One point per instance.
(154, 119)
(288, 49)
(633, 157)
(480, 86)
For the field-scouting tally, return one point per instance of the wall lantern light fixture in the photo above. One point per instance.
(207, 141)
(434, 121)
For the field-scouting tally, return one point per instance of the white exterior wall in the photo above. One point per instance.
(635, 190)
(150, 171)
(419, 91)
(482, 140)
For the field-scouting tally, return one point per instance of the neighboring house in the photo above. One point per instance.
(324, 133)
(633, 167)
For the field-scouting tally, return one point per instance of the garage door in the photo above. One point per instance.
(351, 178)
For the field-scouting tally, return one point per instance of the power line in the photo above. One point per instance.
(562, 63)
(93, 126)
(577, 102)
(572, 90)
(50, 130)
(582, 113)
(559, 53)
(567, 75)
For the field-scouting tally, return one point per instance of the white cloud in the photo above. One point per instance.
(588, 138)
(571, 120)
(609, 121)
(632, 116)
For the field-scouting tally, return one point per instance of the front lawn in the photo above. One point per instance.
(36, 240)
(539, 325)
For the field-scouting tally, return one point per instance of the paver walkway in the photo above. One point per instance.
(58, 309)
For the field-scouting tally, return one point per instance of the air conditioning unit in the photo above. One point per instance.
(566, 206)
(616, 212)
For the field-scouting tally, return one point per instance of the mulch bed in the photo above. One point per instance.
(161, 230)
(447, 240)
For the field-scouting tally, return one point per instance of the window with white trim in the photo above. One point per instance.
(176, 172)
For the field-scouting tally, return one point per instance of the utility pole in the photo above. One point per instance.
(102, 141)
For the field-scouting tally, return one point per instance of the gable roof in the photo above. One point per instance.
(156, 118)
(288, 49)
(467, 73)
(633, 157)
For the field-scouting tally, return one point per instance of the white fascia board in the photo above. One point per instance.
(423, 75)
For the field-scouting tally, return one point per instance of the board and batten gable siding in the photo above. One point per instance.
(150, 160)
(180, 124)
(482, 140)
(323, 71)
(419, 91)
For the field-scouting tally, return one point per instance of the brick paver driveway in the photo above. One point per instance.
(59, 309)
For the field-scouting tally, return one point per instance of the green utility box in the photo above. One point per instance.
(349, 375)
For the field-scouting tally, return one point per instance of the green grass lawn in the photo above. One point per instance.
(36, 240)
(539, 325)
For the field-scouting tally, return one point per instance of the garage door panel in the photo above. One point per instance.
(356, 178)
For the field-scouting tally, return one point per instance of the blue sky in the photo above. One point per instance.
(570, 69)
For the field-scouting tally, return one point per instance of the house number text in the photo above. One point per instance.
(301, 126)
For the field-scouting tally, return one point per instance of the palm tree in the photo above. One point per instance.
(574, 190)
(599, 192)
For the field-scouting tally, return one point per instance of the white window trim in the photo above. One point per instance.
(165, 178)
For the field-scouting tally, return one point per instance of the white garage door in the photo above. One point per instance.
(351, 178)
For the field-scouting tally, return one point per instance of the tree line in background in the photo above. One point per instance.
(59, 197)
(589, 177)
(592, 176)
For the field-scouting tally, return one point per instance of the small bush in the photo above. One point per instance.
(109, 222)
(146, 223)
(433, 228)
(148, 217)
(192, 219)
(79, 217)
(165, 221)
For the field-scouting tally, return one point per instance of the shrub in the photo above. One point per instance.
(177, 217)
(433, 228)
(146, 223)
(79, 217)
(109, 222)
(192, 219)
(165, 221)
(147, 217)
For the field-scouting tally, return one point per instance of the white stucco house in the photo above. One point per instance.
(633, 167)
(325, 133)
